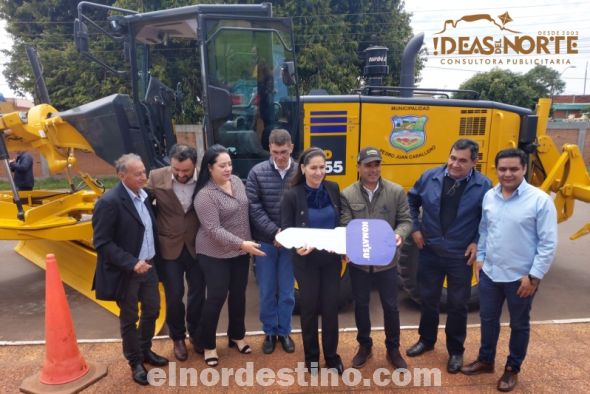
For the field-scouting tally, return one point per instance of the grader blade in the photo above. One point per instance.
(76, 266)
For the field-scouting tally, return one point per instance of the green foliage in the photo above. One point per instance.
(507, 87)
(54, 183)
(330, 37)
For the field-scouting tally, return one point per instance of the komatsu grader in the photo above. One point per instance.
(250, 86)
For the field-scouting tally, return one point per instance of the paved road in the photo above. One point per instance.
(564, 294)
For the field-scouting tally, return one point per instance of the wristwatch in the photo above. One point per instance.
(534, 280)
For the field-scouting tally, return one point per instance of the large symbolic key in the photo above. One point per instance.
(364, 241)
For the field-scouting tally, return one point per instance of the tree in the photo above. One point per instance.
(507, 87)
(330, 37)
(48, 27)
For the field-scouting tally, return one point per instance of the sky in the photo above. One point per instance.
(531, 18)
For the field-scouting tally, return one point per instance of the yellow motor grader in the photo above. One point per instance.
(250, 86)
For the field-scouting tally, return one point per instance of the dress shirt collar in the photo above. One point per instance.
(142, 195)
(282, 172)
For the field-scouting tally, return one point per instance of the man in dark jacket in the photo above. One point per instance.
(22, 167)
(125, 241)
(373, 197)
(274, 272)
(450, 199)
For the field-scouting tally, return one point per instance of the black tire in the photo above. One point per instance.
(344, 294)
(408, 269)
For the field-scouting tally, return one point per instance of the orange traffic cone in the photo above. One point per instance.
(64, 366)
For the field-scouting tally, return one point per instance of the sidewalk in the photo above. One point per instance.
(558, 361)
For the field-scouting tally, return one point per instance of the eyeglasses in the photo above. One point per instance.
(453, 188)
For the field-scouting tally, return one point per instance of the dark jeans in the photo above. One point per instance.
(492, 296)
(172, 274)
(142, 288)
(431, 274)
(318, 277)
(386, 283)
(225, 279)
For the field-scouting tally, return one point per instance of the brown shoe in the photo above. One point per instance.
(395, 358)
(180, 350)
(508, 380)
(362, 355)
(477, 367)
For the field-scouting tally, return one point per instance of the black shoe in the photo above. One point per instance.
(362, 355)
(455, 363)
(198, 348)
(418, 348)
(153, 359)
(395, 358)
(268, 346)
(287, 343)
(508, 380)
(336, 364)
(139, 374)
(180, 351)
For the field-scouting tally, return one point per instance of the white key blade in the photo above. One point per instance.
(325, 239)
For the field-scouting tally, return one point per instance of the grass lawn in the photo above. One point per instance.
(61, 183)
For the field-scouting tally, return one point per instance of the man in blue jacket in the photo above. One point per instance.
(274, 272)
(450, 199)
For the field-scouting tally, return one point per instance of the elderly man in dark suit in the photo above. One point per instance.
(124, 237)
(173, 191)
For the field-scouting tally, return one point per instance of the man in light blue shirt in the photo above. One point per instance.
(124, 237)
(517, 243)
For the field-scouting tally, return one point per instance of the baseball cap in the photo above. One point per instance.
(368, 154)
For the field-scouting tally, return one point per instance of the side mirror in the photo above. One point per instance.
(81, 36)
(288, 73)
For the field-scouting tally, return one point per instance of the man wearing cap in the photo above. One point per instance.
(375, 198)
(445, 204)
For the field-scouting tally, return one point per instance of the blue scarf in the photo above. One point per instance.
(317, 198)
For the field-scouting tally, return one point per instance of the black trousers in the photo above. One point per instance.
(386, 283)
(172, 273)
(224, 279)
(141, 288)
(432, 269)
(318, 276)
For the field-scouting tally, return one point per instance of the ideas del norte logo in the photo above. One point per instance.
(504, 46)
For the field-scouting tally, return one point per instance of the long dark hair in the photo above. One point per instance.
(304, 159)
(209, 158)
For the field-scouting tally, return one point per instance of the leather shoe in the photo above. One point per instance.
(268, 346)
(508, 380)
(198, 349)
(455, 363)
(477, 367)
(395, 358)
(287, 343)
(153, 359)
(139, 374)
(362, 355)
(180, 351)
(418, 348)
(336, 364)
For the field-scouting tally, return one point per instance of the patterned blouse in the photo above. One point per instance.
(223, 220)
